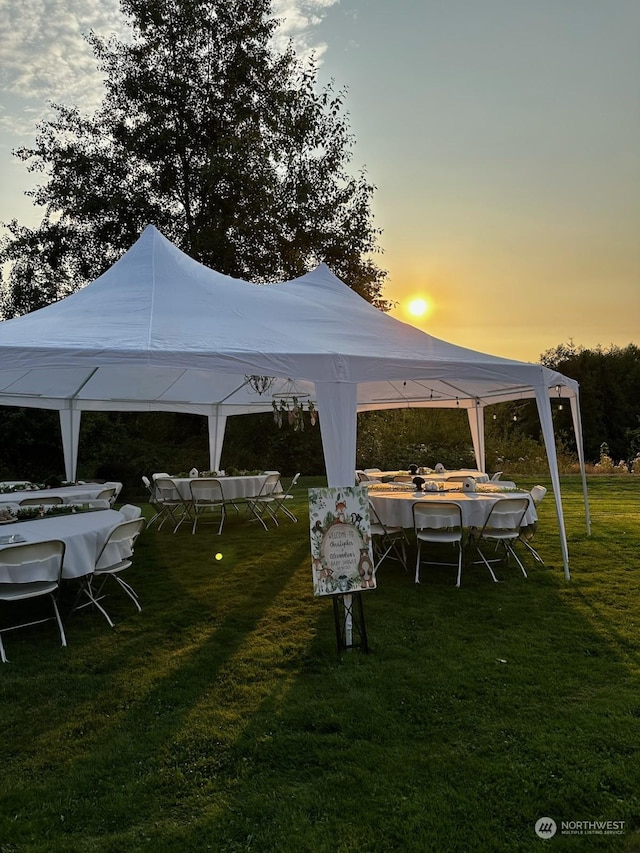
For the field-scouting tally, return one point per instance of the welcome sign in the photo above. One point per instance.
(340, 533)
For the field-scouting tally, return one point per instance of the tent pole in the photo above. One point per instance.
(546, 421)
(70, 429)
(338, 416)
(217, 424)
(475, 414)
(577, 431)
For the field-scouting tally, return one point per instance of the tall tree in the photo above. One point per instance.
(225, 144)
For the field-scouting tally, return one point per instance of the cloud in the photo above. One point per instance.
(45, 57)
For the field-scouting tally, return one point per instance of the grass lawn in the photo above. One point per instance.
(222, 717)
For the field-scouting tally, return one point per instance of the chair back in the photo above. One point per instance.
(459, 478)
(361, 477)
(166, 489)
(32, 562)
(270, 485)
(206, 489)
(507, 514)
(282, 494)
(47, 500)
(537, 493)
(436, 515)
(376, 525)
(147, 483)
(107, 495)
(120, 542)
(496, 476)
(130, 511)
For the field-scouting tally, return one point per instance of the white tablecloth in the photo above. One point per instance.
(479, 476)
(69, 494)
(233, 488)
(395, 508)
(83, 533)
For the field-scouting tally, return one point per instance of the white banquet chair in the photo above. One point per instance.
(108, 494)
(260, 504)
(280, 497)
(387, 541)
(207, 494)
(502, 528)
(45, 500)
(438, 523)
(30, 571)
(155, 505)
(174, 506)
(130, 511)
(528, 531)
(113, 559)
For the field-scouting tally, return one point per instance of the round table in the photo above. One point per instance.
(82, 493)
(395, 508)
(478, 476)
(233, 488)
(84, 534)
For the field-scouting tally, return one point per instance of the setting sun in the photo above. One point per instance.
(418, 307)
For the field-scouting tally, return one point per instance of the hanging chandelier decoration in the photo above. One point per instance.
(260, 384)
(290, 405)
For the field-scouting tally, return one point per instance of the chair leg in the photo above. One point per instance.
(532, 551)
(487, 564)
(417, 578)
(511, 551)
(130, 591)
(93, 599)
(459, 578)
(63, 638)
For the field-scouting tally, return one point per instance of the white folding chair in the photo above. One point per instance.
(495, 477)
(114, 557)
(438, 523)
(174, 507)
(156, 506)
(207, 494)
(45, 500)
(261, 504)
(502, 528)
(387, 541)
(130, 511)
(280, 497)
(361, 477)
(528, 531)
(30, 571)
(107, 495)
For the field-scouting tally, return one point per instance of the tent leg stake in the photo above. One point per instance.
(348, 615)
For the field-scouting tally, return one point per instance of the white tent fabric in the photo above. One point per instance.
(159, 331)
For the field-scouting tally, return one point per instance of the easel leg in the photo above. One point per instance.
(348, 614)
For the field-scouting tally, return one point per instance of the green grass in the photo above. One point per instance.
(222, 718)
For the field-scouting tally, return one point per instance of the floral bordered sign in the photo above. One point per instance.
(341, 554)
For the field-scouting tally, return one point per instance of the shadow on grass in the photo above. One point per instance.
(222, 718)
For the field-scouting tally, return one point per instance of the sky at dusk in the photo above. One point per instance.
(503, 137)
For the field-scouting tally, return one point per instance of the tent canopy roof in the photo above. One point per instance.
(159, 330)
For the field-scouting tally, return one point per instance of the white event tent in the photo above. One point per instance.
(161, 332)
